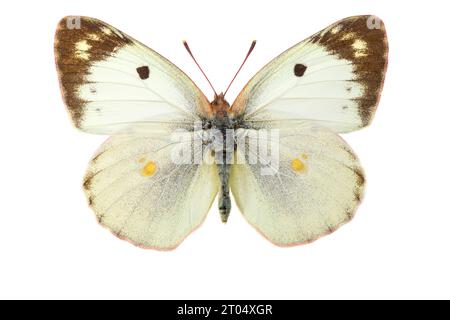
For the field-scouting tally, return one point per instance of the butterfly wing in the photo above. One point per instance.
(111, 83)
(313, 187)
(334, 78)
(141, 194)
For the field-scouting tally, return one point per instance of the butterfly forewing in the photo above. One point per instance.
(111, 82)
(334, 78)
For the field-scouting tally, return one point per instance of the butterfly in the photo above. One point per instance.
(328, 84)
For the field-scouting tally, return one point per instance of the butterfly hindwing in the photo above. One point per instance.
(334, 78)
(112, 83)
(314, 188)
(141, 194)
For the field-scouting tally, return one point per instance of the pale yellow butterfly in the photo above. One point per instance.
(327, 84)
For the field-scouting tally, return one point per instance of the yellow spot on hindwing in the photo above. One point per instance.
(149, 169)
(298, 165)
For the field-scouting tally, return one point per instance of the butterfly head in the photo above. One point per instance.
(219, 104)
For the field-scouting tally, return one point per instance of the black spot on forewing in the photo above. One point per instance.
(143, 72)
(299, 69)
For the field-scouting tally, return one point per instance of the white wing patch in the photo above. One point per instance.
(82, 49)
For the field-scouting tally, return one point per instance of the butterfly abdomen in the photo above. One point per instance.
(224, 195)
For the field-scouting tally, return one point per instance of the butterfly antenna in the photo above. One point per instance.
(252, 46)
(192, 56)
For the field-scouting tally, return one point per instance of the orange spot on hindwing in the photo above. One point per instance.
(298, 165)
(149, 169)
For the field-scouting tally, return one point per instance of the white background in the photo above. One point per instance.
(396, 247)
